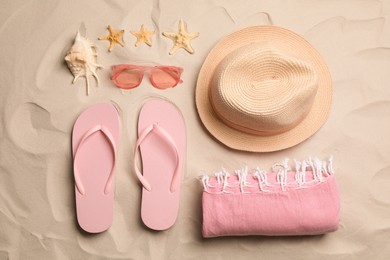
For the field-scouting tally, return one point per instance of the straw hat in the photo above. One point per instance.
(262, 89)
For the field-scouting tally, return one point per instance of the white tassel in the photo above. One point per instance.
(205, 181)
(298, 175)
(282, 173)
(303, 172)
(330, 165)
(325, 168)
(219, 176)
(264, 178)
(206, 185)
(225, 175)
(242, 177)
(318, 165)
(261, 177)
(313, 169)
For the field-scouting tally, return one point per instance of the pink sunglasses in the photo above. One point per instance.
(127, 76)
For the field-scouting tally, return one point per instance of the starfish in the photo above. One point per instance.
(181, 39)
(143, 36)
(113, 37)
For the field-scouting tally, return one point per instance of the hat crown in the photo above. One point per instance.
(261, 90)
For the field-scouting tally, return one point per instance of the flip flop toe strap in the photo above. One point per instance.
(110, 138)
(165, 136)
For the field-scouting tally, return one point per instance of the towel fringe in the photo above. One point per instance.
(319, 169)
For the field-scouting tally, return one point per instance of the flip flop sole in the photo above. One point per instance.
(159, 207)
(95, 161)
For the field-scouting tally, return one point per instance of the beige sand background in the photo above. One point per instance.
(39, 106)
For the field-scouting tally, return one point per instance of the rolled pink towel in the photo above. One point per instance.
(305, 201)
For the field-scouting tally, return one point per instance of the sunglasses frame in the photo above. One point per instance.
(173, 71)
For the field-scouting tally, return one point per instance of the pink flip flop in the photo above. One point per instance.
(94, 143)
(162, 142)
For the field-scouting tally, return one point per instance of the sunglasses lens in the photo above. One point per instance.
(163, 79)
(129, 78)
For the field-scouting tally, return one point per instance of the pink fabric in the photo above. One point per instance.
(238, 208)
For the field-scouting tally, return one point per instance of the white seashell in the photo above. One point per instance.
(82, 59)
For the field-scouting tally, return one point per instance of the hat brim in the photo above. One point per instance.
(282, 39)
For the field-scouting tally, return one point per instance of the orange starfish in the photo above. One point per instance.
(143, 36)
(113, 37)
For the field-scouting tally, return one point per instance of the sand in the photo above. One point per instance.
(39, 105)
